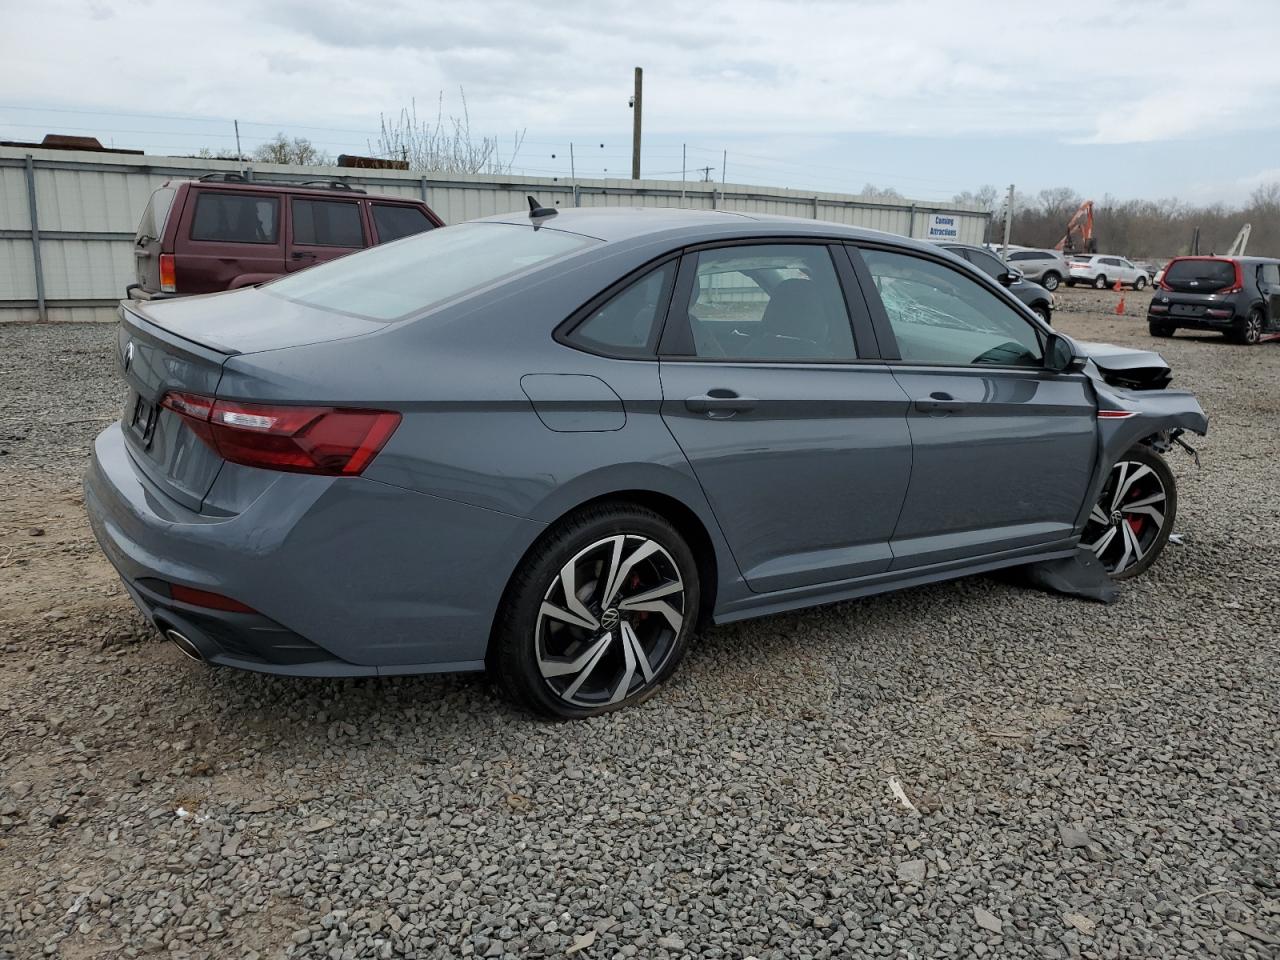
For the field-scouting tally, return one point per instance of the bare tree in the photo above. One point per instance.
(986, 197)
(205, 153)
(871, 192)
(443, 146)
(299, 150)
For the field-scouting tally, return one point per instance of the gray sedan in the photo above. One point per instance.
(553, 445)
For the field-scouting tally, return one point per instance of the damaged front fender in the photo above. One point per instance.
(1127, 417)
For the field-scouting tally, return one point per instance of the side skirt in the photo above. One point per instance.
(785, 600)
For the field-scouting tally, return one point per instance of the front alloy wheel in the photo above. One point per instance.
(599, 614)
(1050, 281)
(1131, 522)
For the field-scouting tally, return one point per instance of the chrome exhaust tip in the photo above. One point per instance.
(181, 641)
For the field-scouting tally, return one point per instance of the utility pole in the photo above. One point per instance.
(636, 101)
(724, 161)
(239, 155)
(706, 174)
(1008, 222)
(684, 160)
(572, 174)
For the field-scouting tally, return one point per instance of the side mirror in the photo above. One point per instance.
(1009, 277)
(1060, 354)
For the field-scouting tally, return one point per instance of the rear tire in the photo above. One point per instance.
(1100, 282)
(1140, 283)
(1249, 330)
(1042, 311)
(1161, 329)
(598, 613)
(1050, 281)
(1130, 524)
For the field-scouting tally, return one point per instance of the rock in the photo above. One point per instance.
(987, 921)
(912, 871)
(1071, 837)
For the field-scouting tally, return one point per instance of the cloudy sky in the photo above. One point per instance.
(1146, 98)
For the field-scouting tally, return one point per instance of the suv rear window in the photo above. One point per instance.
(394, 222)
(327, 223)
(151, 226)
(235, 218)
(1201, 276)
(391, 282)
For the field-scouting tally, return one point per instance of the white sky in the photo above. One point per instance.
(792, 81)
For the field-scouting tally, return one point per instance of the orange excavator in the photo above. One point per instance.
(1079, 226)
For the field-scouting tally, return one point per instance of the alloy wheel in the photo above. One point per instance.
(1126, 522)
(1253, 328)
(609, 620)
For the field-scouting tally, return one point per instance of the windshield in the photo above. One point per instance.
(1203, 276)
(408, 276)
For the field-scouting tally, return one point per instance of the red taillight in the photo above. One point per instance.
(168, 274)
(1238, 283)
(325, 440)
(204, 598)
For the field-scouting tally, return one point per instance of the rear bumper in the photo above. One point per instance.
(347, 576)
(1192, 322)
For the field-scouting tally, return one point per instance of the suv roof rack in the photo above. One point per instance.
(332, 185)
(310, 184)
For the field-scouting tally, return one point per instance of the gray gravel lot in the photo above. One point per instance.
(1088, 781)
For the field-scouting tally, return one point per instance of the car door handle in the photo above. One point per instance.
(720, 404)
(300, 255)
(940, 403)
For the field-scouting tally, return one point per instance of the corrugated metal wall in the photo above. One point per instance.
(88, 205)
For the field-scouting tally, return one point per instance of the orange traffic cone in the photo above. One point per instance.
(1118, 286)
(1120, 306)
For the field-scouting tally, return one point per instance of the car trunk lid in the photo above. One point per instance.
(180, 346)
(156, 362)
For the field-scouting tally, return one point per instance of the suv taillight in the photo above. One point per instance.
(168, 274)
(332, 441)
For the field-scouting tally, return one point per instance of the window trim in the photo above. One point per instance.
(293, 232)
(563, 333)
(677, 344)
(256, 197)
(884, 329)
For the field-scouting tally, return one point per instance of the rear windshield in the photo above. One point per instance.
(151, 226)
(1204, 276)
(392, 281)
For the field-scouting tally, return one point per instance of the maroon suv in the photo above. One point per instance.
(222, 231)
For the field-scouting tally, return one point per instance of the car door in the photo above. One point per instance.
(322, 229)
(795, 429)
(1002, 449)
(1269, 286)
(225, 234)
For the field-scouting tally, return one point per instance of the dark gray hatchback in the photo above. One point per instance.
(1236, 296)
(554, 445)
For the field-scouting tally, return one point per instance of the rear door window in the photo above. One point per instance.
(393, 221)
(987, 263)
(327, 223)
(235, 218)
(769, 302)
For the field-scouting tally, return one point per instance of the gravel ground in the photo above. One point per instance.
(1087, 781)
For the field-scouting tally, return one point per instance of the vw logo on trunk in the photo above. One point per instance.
(128, 355)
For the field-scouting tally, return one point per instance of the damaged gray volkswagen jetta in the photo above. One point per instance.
(552, 445)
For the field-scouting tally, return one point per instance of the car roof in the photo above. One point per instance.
(613, 224)
(252, 186)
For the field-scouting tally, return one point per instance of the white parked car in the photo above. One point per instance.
(1101, 271)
